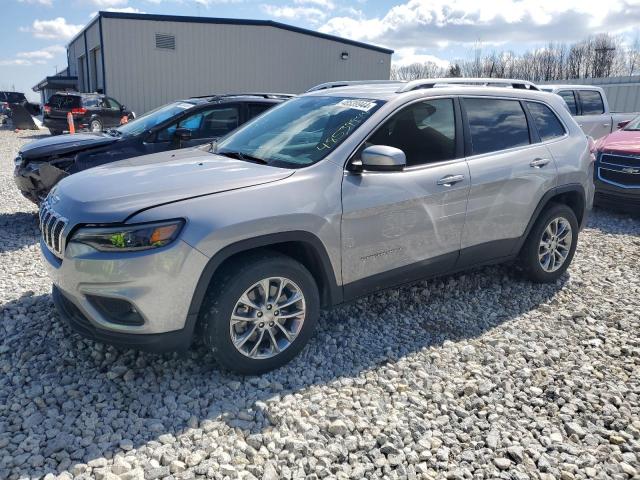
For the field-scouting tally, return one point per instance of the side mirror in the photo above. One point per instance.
(623, 124)
(382, 158)
(181, 135)
(122, 108)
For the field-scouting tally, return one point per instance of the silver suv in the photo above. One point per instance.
(327, 197)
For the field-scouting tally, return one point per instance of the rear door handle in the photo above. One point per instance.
(539, 162)
(450, 180)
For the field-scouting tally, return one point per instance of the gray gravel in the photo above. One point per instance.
(481, 375)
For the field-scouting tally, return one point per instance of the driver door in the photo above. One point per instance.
(401, 226)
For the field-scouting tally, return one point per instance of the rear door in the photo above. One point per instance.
(592, 117)
(400, 226)
(510, 172)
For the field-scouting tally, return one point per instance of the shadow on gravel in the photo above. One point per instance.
(613, 222)
(66, 401)
(18, 229)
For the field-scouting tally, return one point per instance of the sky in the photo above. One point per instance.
(35, 33)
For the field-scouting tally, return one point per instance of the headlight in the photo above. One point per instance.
(128, 238)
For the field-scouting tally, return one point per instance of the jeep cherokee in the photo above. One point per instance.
(327, 197)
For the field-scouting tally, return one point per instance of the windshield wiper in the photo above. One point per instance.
(243, 156)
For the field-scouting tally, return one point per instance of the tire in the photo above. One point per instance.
(546, 263)
(95, 125)
(256, 353)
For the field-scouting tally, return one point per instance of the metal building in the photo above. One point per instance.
(144, 61)
(623, 93)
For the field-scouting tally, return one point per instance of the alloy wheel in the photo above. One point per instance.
(555, 244)
(267, 318)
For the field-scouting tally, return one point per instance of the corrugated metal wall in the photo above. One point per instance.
(218, 58)
(89, 76)
(623, 93)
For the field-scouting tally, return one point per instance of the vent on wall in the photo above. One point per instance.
(165, 41)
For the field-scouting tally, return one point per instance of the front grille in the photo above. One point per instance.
(621, 160)
(620, 177)
(52, 226)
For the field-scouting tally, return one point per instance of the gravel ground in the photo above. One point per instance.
(481, 375)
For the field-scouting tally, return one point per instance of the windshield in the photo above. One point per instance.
(153, 118)
(13, 97)
(299, 132)
(633, 125)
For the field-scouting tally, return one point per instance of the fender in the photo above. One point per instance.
(333, 292)
(546, 198)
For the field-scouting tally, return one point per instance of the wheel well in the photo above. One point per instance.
(300, 251)
(574, 200)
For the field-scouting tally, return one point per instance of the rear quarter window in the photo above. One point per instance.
(591, 102)
(496, 124)
(546, 122)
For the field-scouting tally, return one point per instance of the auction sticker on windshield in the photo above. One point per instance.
(364, 105)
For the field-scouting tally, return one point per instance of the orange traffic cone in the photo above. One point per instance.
(72, 127)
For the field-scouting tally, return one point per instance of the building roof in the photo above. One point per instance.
(56, 82)
(228, 21)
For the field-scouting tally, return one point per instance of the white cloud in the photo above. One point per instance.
(328, 4)
(121, 10)
(308, 14)
(108, 3)
(56, 29)
(46, 3)
(409, 56)
(16, 62)
(434, 23)
(46, 53)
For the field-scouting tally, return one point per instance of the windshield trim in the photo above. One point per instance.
(158, 125)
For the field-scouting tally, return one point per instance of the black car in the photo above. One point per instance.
(185, 123)
(91, 111)
(16, 98)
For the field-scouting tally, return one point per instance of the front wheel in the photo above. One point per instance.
(551, 244)
(260, 313)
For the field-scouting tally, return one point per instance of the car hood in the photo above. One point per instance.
(621, 141)
(62, 144)
(113, 192)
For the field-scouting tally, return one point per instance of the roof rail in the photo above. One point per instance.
(247, 94)
(433, 82)
(346, 83)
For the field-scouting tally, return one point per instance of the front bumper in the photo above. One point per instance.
(617, 198)
(158, 284)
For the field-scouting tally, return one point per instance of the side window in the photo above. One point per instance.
(496, 124)
(255, 109)
(591, 102)
(570, 100)
(91, 102)
(218, 122)
(425, 132)
(192, 122)
(548, 125)
(111, 103)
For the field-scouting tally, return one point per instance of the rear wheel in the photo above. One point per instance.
(551, 244)
(96, 125)
(260, 313)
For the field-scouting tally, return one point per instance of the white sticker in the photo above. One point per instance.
(364, 105)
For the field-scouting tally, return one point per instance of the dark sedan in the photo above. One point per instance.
(185, 123)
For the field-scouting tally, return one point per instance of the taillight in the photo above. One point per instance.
(78, 111)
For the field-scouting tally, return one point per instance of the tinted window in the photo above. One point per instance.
(205, 124)
(91, 102)
(13, 97)
(570, 100)
(546, 121)
(112, 103)
(496, 124)
(591, 102)
(425, 132)
(64, 101)
(256, 109)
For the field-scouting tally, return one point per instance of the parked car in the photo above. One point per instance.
(185, 123)
(618, 168)
(327, 197)
(590, 108)
(91, 111)
(8, 98)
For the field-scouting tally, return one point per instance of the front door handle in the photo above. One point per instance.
(450, 180)
(539, 162)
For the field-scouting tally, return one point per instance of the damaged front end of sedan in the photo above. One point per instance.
(35, 178)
